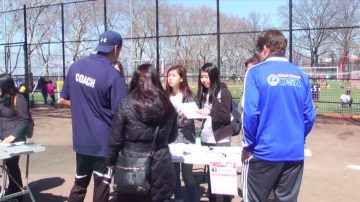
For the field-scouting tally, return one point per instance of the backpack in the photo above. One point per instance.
(235, 118)
(30, 126)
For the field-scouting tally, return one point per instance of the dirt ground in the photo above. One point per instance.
(327, 177)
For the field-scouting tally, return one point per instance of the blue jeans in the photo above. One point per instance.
(189, 181)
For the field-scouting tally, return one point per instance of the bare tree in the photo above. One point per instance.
(40, 20)
(179, 20)
(233, 51)
(142, 29)
(45, 47)
(79, 27)
(13, 24)
(255, 23)
(313, 17)
(347, 38)
(205, 23)
(37, 25)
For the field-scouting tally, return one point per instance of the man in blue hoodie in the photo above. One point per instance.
(93, 90)
(278, 115)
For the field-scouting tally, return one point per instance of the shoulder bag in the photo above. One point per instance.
(132, 175)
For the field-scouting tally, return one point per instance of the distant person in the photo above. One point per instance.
(233, 78)
(179, 92)
(14, 117)
(42, 84)
(23, 90)
(93, 90)
(326, 79)
(51, 92)
(215, 102)
(315, 90)
(18, 84)
(278, 115)
(346, 99)
(135, 120)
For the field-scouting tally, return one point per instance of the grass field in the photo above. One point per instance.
(328, 104)
(329, 101)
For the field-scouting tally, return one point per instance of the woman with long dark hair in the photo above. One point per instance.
(178, 90)
(145, 108)
(14, 117)
(215, 102)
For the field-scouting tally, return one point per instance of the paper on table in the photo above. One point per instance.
(12, 144)
(189, 110)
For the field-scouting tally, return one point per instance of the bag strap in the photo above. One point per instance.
(15, 101)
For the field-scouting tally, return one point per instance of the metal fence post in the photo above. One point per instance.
(27, 81)
(63, 39)
(157, 37)
(105, 16)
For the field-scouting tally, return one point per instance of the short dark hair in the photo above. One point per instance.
(273, 39)
(255, 59)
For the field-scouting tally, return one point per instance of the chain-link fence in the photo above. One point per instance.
(43, 38)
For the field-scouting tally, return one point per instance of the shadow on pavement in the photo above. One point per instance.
(42, 185)
(47, 111)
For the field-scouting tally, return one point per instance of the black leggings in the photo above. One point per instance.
(12, 164)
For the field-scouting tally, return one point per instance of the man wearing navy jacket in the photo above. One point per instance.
(93, 89)
(278, 115)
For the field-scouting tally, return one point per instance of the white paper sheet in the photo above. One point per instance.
(189, 110)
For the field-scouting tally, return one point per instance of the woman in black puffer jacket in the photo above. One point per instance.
(145, 108)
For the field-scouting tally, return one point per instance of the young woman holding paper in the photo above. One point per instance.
(178, 90)
(215, 102)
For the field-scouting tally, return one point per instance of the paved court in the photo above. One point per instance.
(332, 174)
